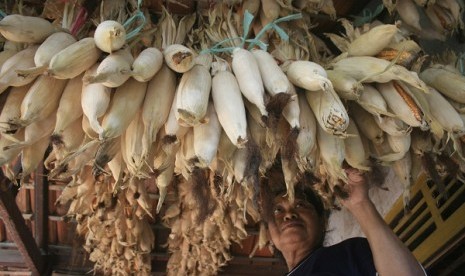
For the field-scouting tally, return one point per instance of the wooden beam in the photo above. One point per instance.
(17, 229)
(41, 208)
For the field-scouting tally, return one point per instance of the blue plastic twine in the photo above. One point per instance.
(2, 14)
(137, 16)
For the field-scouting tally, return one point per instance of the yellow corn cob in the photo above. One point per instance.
(157, 103)
(229, 106)
(373, 41)
(110, 36)
(402, 104)
(114, 69)
(147, 64)
(52, 45)
(74, 59)
(193, 93)
(26, 29)
(248, 77)
(126, 100)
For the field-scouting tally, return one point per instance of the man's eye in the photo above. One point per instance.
(277, 210)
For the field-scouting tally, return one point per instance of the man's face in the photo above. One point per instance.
(296, 225)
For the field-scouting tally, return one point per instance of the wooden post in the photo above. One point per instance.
(17, 229)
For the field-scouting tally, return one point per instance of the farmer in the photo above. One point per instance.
(297, 230)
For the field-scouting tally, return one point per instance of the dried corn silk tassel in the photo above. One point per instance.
(291, 176)
(9, 154)
(329, 111)
(201, 194)
(106, 151)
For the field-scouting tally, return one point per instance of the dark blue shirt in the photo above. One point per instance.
(350, 257)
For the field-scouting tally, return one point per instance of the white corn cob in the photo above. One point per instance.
(7, 155)
(248, 77)
(402, 168)
(193, 93)
(147, 64)
(69, 108)
(274, 79)
(20, 60)
(392, 125)
(354, 150)
(409, 13)
(95, 99)
(110, 36)
(399, 144)
(41, 100)
(372, 101)
(114, 70)
(132, 147)
(44, 54)
(11, 110)
(345, 86)
(207, 137)
(70, 139)
(448, 83)
(308, 75)
(372, 69)
(179, 58)
(329, 111)
(408, 112)
(373, 41)
(157, 103)
(32, 155)
(74, 59)
(125, 102)
(332, 154)
(173, 130)
(26, 29)
(306, 140)
(443, 112)
(291, 111)
(366, 124)
(5, 55)
(229, 106)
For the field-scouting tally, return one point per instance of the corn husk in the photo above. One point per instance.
(110, 36)
(147, 64)
(25, 29)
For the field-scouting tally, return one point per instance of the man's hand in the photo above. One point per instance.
(357, 189)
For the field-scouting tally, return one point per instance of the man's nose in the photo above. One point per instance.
(290, 215)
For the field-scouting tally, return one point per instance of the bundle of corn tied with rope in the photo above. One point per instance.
(184, 117)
